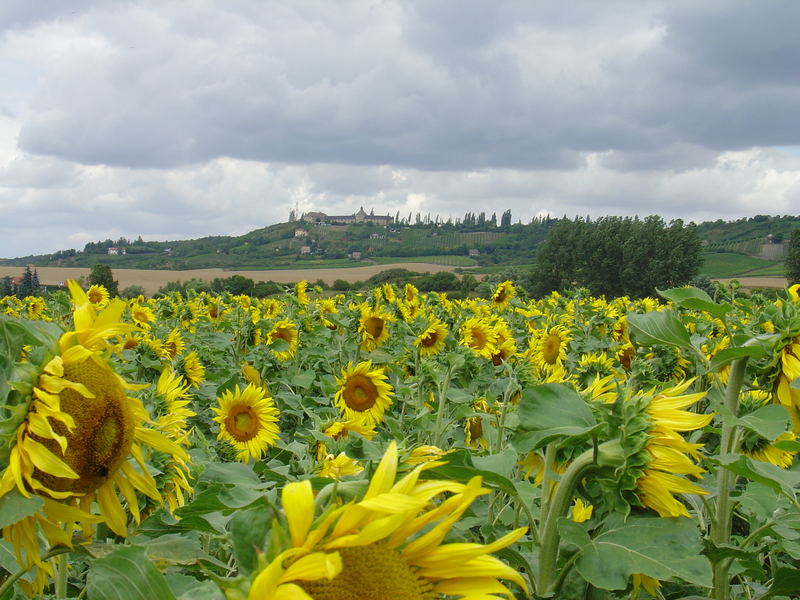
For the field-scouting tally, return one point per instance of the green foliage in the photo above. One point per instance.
(793, 258)
(102, 275)
(617, 256)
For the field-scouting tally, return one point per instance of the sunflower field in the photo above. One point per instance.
(397, 445)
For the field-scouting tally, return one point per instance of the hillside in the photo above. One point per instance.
(745, 247)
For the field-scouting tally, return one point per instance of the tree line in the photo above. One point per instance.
(616, 256)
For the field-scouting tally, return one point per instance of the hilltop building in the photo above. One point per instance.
(360, 217)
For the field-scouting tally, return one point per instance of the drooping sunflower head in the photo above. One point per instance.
(431, 340)
(248, 420)
(173, 345)
(659, 459)
(373, 327)
(503, 294)
(594, 365)
(284, 330)
(388, 544)
(364, 392)
(191, 367)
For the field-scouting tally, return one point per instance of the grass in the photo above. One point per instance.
(451, 261)
(732, 264)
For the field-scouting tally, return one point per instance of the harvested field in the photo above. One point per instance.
(152, 280)
(758, 282)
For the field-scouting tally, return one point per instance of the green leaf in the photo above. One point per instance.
(697, 299)
(550, 411)
(249, 530)
(126, 574)
(304, 380)
(728, 355)
(659, 327)
(189, 588)
(785, 583)
(15, 507)
(780, 480)
(502, 464)
(663, 548)
(768, 421)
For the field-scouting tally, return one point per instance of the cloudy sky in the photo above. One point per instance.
(176, 120)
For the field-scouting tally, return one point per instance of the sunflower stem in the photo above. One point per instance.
(499, 442)
(12, 579)
(548, 550)
(547, 471)
(721, 525)
(441, 408)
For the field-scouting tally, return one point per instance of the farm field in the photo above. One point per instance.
(153, 280)
(214, 447)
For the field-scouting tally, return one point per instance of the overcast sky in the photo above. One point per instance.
(177, 120)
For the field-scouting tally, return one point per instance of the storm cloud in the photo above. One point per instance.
(170, 120)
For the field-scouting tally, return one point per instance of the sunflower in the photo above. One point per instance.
(192, 368)
(173, 345)
(479, 336)
(98, 295)
(284, 330)
(761, 448)
(548, 348)
(667, 452)
(581, 511)
(339, 430)
(431, 340)
(504, 341)
(172, 420)
(373, 327)
(389, 544)
(784, 393)
(301, 292)
(142, 315)
(336, 467)
(248, 421)
(364, 392)
(74, 443)
(502, 295)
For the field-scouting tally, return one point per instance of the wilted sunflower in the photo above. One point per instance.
(284, 330)
(387, 545)
(503, 294)
(373, 327)
(479, 336)
(247, 420)
(431, 340)
(74, 442)
(364, 392)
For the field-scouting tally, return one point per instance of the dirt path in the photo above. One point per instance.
(152, 280)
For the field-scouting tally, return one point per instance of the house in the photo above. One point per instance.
(356, 255)
(474, 252)
(305, 250)
(360, 217)
(300, 233)
(116, 251)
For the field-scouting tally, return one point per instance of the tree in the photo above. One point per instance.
(617, 256)
(793, 258)
(505, 220)
(27, 285)
(102, 275)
